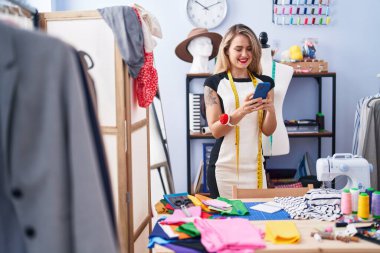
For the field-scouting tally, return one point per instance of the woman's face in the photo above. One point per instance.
(240, 52)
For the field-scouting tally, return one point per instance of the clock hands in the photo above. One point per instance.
(204, 7)
(212, 5)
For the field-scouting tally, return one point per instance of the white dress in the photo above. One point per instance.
(223, 156)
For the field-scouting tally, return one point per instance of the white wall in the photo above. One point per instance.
(352, 53)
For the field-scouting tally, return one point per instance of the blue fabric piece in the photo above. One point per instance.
(158, 231)
(258, 215)
(157, 240)
(128, 33)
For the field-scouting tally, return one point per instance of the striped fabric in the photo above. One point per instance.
(317, 204)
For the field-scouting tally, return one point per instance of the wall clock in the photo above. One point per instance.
(206, 13)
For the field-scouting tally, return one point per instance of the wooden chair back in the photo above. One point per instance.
(269, 193)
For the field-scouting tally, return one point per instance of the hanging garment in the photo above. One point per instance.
(360, 124)
(371, 150)
(128, 33)
(147, 79)
(51, 195)
(150, 27)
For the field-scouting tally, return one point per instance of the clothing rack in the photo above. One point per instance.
(31, 10)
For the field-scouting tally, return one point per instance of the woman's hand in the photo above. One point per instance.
(251, 104)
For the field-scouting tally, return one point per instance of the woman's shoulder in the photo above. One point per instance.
(214, 80)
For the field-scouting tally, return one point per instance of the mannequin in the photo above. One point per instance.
(283, 76)
(200, 48)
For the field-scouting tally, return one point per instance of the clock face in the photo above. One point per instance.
(206, 13)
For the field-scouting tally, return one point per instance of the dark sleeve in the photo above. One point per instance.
(213, 81)
(268, 79)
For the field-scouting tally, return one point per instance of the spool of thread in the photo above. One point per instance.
(346, 202)
(375, 205)
(369, 191)
(328, 20)
(354, 198)
(363, 208)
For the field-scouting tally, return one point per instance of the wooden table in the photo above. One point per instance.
(307, 243)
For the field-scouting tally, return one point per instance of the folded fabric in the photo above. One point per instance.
(179, 217)
(158, 231)
(156, 240)
(217, 203)
(189, 229)
(327, 196)
(281, 232)
(201, 197)
(180, 235)
(229, 235)
(299, 208)
(198, 202)
(182, 249)
(160, 208)
(238, 207)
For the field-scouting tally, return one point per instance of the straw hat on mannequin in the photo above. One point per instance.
(198, 48)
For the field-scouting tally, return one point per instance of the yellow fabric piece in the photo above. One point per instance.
(281, 232)
(160, 208)
(197, 202)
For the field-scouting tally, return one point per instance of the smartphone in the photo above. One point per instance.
(262, 90)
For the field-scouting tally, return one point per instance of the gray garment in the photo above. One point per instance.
(51, 199)
(371, 146)
(129, 35)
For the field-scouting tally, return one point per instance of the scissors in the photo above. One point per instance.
(183, 203)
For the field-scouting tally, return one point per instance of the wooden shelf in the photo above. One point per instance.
(323, 133)
(200, 136)
(321, 74)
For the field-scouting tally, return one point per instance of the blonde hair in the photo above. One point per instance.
(222, 61)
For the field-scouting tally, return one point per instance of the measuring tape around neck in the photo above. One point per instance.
(237, 132)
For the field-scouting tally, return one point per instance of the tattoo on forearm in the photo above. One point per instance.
(210, 97)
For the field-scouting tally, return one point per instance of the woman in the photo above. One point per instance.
(236, 119)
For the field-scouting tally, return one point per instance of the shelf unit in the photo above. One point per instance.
(322, 134)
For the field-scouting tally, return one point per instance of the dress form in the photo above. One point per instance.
(200, 48)
(278, 143)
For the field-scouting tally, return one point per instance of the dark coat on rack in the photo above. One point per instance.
(51, 198)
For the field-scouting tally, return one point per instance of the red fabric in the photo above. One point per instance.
(147, 79)
(169, 207)
(146, 82)
(295, 185)
(205, 215)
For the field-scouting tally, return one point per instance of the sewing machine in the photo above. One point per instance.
(357, 170)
